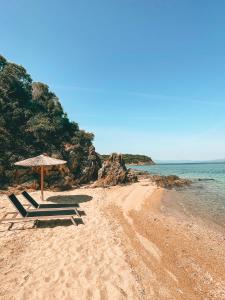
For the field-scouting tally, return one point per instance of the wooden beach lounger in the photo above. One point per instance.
(47, 206)
(36, 214)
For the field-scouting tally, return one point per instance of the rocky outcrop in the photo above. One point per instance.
(91, 167)
(77, 171)
(114, 172)
(171, 181)
(58, 178)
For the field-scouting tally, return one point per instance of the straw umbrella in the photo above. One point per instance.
(40, 161)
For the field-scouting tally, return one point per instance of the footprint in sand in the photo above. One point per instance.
(88, 274)
(46, 279)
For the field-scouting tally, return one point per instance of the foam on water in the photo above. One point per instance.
(206, 196)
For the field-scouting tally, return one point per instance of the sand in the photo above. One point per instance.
(129, 247)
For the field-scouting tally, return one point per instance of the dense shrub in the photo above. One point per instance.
(33, 122)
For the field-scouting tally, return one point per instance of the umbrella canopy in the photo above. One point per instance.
(40, 161)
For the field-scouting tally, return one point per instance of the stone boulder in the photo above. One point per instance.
(77, 170)
(114, 172)
(90, 168)
(83, 166)
(171, 181)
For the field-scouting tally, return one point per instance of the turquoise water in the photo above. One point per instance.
(206, 196)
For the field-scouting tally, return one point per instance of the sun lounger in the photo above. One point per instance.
(50, 205)
(36, 214)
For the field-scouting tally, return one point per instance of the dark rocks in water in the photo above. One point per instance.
(206, 179)
(170, 181)
(114, 172)
(141, 172)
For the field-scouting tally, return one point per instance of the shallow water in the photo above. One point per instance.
(206, 196)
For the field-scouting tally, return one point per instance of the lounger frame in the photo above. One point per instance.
(14, 219)
(49, 206)
(21, 211)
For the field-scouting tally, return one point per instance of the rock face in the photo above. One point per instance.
(90, 167)
(58, 178)
(114, 172)
(74, 173)
(170, 181)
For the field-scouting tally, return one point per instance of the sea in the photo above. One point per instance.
(206, 195)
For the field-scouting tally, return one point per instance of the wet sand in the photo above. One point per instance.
(131, 246)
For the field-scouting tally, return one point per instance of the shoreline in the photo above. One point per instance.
(175, 207)
(180, 256)
(130, 247)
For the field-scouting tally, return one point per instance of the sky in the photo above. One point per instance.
(145, 76)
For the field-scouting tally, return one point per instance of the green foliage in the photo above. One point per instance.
(133, 159)
(32, 121)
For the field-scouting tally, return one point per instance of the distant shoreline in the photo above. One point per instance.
(141, 164)
(132, 159)
(181, 163)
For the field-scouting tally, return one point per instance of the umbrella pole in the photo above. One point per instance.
(42, 183)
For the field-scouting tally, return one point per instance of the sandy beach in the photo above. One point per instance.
(131, 246)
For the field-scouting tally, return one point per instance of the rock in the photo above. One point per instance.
(64, 184)
(28, 185)
(91, 167)
(140, 174)
(82, 170)
(206, 179)
(76, 171)
(73, 156)
(114, 172)
(170, 181)
(23, 175)
(131, 176)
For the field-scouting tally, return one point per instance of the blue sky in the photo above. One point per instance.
(146, 76)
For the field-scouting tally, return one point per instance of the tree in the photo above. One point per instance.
(32, 121)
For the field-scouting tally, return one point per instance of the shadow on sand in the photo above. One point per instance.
(41, 224)
(56, 223)
(73, 199)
